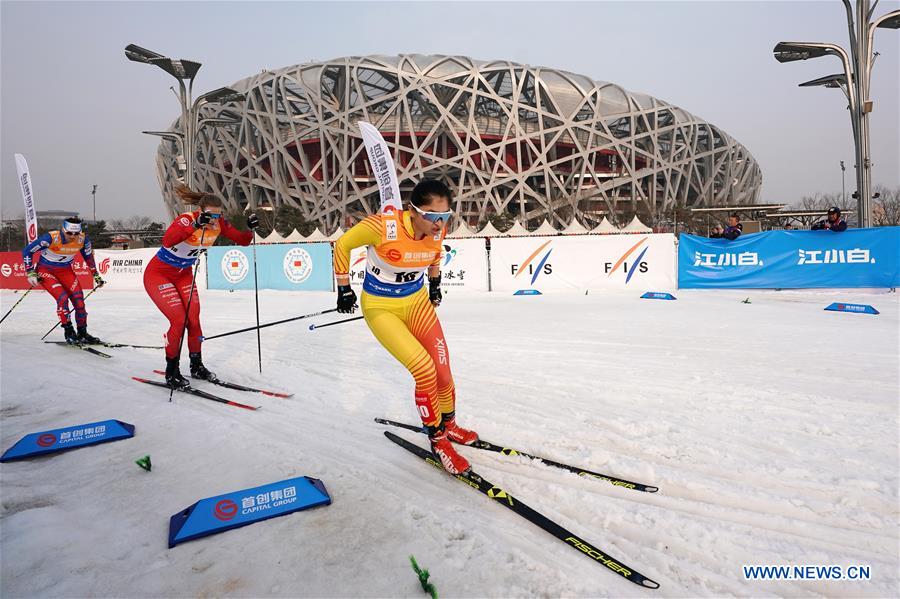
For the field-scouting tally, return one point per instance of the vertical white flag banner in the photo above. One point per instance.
(27, 195)
(382, 166)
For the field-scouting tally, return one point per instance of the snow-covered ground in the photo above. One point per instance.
(771, 429)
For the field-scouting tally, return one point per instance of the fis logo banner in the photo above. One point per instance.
(70, 437)
(633, 266)
(792, 260)
(240, 508)
(533, 266)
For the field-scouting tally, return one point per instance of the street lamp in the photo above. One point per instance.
(854, 82)
(94, 197)
(184, 70)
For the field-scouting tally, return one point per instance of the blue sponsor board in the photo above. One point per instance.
(858, 308)
(792, 260)
(70, 437)
(240, 508)
(658, 295)
(527, 292)
(288, 266)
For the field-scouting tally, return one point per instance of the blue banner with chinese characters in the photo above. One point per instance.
(70, 437)
(295, 267)
(792, 260)
(232, 510)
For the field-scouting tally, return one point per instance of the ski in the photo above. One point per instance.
(488, 446)
(508, 501)
(115, 345)
(238, 387)
(89, 350)
(198, 393)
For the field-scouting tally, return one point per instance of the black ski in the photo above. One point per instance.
(237, 387)
(508, 501)
(114, 345)
(86, 348)
(198, 393)
(488, 446)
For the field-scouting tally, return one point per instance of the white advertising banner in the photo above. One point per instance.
(124, 269)
(463, 265)
(547, 264)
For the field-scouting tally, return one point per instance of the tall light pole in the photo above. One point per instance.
(184, 70)
(94, 197)
(843, 186)
(855, 83)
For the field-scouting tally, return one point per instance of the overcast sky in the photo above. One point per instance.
(75, 107)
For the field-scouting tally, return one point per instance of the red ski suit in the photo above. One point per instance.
(168, 277)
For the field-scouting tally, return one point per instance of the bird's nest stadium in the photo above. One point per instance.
(531, 142)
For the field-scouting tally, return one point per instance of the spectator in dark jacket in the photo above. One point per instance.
(716, 232)
(734, 228)
(832, 222)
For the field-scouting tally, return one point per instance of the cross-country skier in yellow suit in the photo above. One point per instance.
(402, 246)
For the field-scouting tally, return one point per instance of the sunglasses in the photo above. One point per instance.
(437, 218)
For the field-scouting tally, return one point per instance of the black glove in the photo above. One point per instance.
(346, 302)
(434, 290)
(203, 219)
(252, 222)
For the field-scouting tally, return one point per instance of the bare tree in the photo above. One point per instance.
(886, 207)
(132, 223)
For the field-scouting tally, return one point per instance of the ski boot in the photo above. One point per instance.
(173, 375)
(443, 450)
(456, 433)
(86, 338)
(198, 370)
(71, 335)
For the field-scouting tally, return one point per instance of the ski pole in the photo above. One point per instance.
(187, 309)
(270, 324)
(313, 327)
(69, 312)
(256, 298)
(16, 304)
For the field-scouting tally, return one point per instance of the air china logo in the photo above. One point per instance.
(235, 266)
(528, 266)
(104, 266)
(298, 265)
(121, 266)
(6, 270)
(225, 510)
(629, 268)
(46, 440)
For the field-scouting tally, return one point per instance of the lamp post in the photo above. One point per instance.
(843, 186)
(854, 82)
(184, 70)
(94, 198)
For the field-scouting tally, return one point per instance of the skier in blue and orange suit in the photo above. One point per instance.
(54, 272)
(402, 246)
(168, 278)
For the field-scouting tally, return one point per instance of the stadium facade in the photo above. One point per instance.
(532, 142)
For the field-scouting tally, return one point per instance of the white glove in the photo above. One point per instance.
(33, 278)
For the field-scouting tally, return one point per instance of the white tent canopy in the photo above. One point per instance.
(462, 230)
(574, 228)
(636, 226)
(604, 228)
(545, 229)
(273, 237)
(490, 230)
(316, 235)
(336, 235)
(294, 237)
(517, 230)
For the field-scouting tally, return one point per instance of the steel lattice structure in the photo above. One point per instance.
(529, 141)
